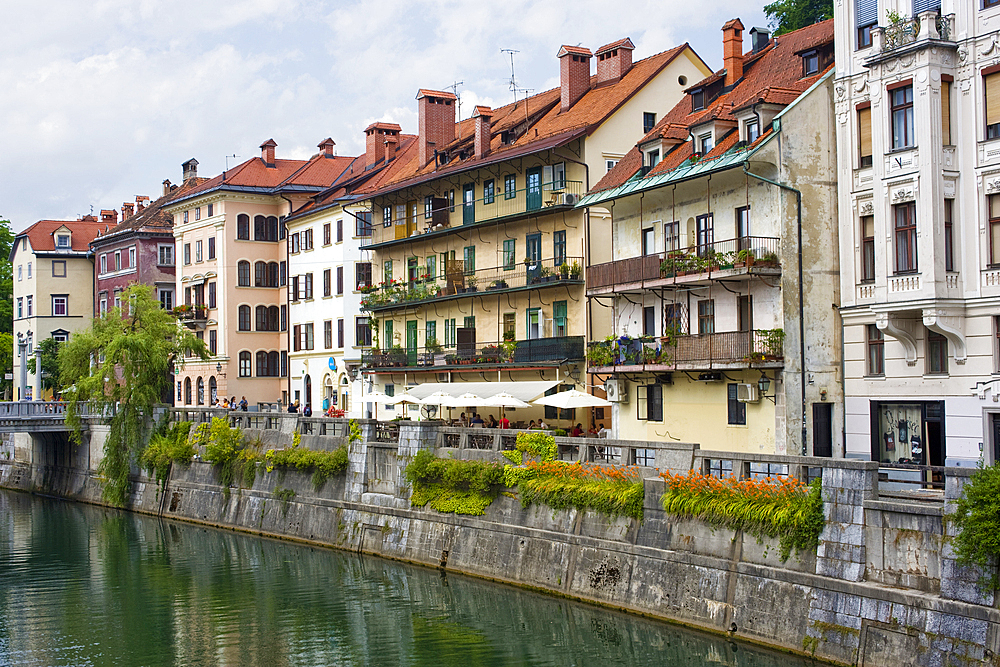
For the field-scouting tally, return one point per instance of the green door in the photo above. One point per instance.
(411, 342)
(469, 204)
(533, 256)
(533, 192)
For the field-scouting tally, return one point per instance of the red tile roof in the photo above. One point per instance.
(773, 75)
(152, 218)
(620, 44)
(575, 50)
(42, 239)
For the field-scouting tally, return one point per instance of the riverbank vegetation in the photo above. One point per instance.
(610, 490)
(977, 517)
(453, 485)
(784, 509)
(167, 445)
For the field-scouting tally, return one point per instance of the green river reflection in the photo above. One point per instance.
(82, 585)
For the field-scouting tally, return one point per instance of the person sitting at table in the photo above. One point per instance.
(504, 422)
(577, 431)
(531, 425)
(542, 425)
(477, 420)
(492, 423)
(463, 420)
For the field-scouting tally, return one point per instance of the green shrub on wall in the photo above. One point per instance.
(323, 464)
(452, 485)
(540, 445)
(785, 509)
(610, 490)
(167, 445)
(977, 517)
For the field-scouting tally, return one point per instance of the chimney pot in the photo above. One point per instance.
(574, 74)
(326, 147)
(376, 136)
(267, 152)
(484, 117)
(732, 51)
(614, 60)
(190, 170)
(436, 122)
(128, 208)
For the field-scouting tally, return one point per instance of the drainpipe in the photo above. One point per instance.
(802, 328)
(288, 307)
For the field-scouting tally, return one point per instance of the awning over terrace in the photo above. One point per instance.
(525, 391)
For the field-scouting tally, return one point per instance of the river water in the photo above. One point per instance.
(82, 585)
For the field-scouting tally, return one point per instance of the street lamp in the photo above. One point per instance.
(218, 369)
(763, 384)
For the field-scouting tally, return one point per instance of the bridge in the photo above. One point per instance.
(32, 416)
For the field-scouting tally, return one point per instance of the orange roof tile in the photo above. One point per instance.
(42, 239)
(423, 92)
(620, 44)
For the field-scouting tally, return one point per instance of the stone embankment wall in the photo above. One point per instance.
(883, 587)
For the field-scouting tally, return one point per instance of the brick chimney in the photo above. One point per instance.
(141, 202)
(574, 74)
(109, 216)
(483, 116)
(376, 136)
(732, 51)
(166, 186)
(326, 147)
(128, 208)
(437, 122)
(267, 152)
(391, 143)
(190, 170)
(614, 60)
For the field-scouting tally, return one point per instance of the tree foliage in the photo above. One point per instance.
(120, 368)
(977, 517)
(6, 279)
(788, 15)
(48, 349)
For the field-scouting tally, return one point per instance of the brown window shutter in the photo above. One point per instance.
(946, 113)
(865, 132)
(992, 85)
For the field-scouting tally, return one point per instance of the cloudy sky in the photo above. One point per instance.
(103, 100)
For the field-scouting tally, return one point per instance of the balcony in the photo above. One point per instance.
(733, 259)
(904, 34)
(760, 348)
(464, 356)
(446, 218)
(193, 317)
(458, 283)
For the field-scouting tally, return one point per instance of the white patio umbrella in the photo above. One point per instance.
(376, 397)
(505, 400)
(404, 398)
(469, 400)
(438, 398)
(566, 400)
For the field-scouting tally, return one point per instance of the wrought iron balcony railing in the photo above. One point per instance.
(438, 357)
(729, 348)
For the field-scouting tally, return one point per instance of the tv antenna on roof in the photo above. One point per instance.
(458, 102)
(512, 84)
(234, 156)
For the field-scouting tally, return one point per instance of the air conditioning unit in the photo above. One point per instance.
(569, 199)
(617, 390)
(747, 393)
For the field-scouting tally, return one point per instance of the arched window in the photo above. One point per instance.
(262, 364)
(272, 274)
(260, 274)
(259, 228)
(272, 318)
(243, 226)
(187, 391)
(243, 273)
(272, 228)
(272, 363)
(245, 364)
(213, 390)
(244, 318)
(260, 315)
(201, 391)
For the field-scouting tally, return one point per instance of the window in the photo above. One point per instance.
(902, 117)
(293, 293)
(243, 231)
(386, 216)
(117, 301)
(243, 273)
(743, 226)
(867, 248)
(364, 223)
(284, 318)
(284, 365)
(489, 195)
(937, 353)
(509, 325)
(469, 255)
(201, 391)
(649, 321)
(307, 239)
(187, 391)
(387, 271)
(308, 286)
(19, 273)
(706, 316)
(131, 258)
(431, 267)
(559, 247)
(213, 341)
(59, 268)
(705, 143)
(327, 282)
(559, 320)
(166, 253)
(180, 391)
(29, 270)
(362, 332)
(267, 318)
(166, 300)
(428, 207)
(211, 210)
(388, 335)
(103, 263)
(949, 238)
(282, 273)
(340, 280)
(211, 247)
(340, 230)
(328, 334)
(865, 136)
(994, 230)
(751, 130)
(20, 307)
(450, 332)
(648, 121)
(451, 200)
(212, 303)
(652, 158)
(430, 332)
(875, 362)
(697, 99)
(559, 176)
(609, 165)
(102, 308)
(704, 234)
(296, 337)
(945, 111)
(865, 16)
(326, 234)
(671, 235)
(363, 274)
(294, 243)
(260, 274)
(654, 402)
(29, 300)
(187, 256)
(186, 214)
(340, 333)
(62, 241)
(991, 83)
(533, 321)
(810, 63)
(509, 259)
(244, 364)
(737, 411)
(906, 237)
(509, 186)
(118, 262)
(244, 318)
(197, 251)
(649, 241)
(60, 305)
(996, 343)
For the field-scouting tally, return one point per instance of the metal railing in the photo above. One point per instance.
(746, 254)
(455, 281)
(534, 350)
(726, 347)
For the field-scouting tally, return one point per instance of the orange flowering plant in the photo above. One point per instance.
(611, 490)
(781, 508)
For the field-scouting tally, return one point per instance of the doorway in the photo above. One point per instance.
(823, 429)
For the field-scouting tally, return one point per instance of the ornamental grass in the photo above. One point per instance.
(784, 509)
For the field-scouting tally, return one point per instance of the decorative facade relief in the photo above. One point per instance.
(951, 325)
(902, 330)
(903, 195)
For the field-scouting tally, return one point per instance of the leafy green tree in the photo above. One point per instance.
(48, 349)
(6, 363)
(120, 368)
(788, 15)
(6, 280)
(977, 517)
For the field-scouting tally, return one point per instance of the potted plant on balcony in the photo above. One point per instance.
(397, 356)
(498, 284)
(768, 261)
(564, 270)
(182, 311)
(492, 354)
(599, 354)
(773, 341)
(470, 284)
(576, 271)
(726, 260)
(509, 345)
(546, 274)
(744, 258)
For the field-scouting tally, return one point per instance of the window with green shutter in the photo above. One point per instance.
(508, 255)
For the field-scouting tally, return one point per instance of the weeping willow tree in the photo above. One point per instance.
(120, 369)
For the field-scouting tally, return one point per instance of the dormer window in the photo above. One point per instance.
(810, 63)
(62, 240)
(705, 143)
(751, 131)
(653, 158)
(697, 99)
